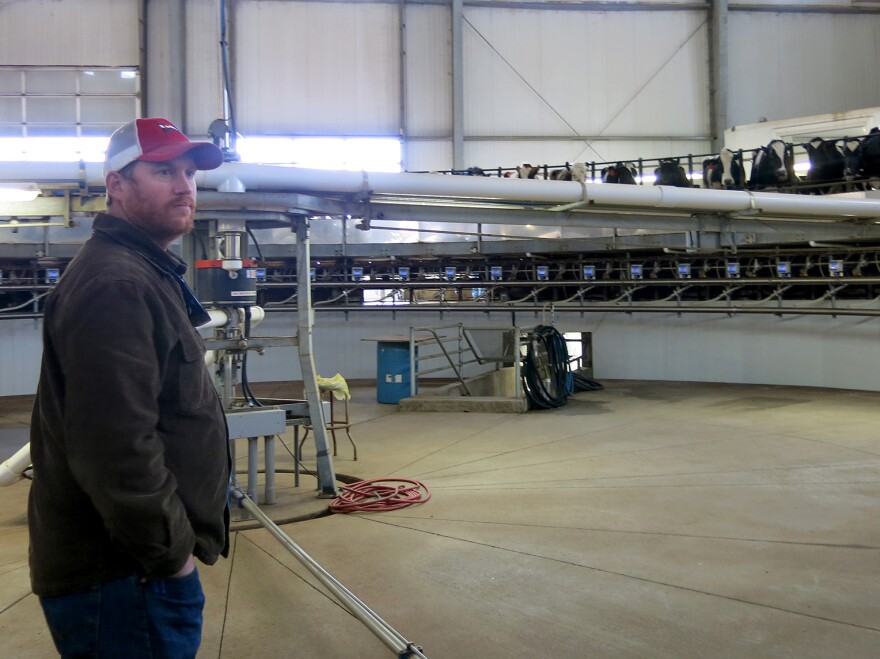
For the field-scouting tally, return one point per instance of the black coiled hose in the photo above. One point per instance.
(545, 372)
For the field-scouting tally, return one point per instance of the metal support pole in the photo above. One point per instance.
(718, 72)
(304, 319)
(269, 457)
(253, 446)
(458, 84)
(413, 364)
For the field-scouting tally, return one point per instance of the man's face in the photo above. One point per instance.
(157, 197)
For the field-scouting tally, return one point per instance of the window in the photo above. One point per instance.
(64, 113)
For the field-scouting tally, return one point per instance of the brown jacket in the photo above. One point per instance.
(128, 437)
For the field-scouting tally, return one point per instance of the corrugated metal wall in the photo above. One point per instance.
(795, 65)
(69, 33)
(317, 68)
(534, 73)
(806, 351)
(552, 73)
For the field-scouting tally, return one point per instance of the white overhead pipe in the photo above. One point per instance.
(256, 177)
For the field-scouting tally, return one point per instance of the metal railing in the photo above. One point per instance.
(455, 348)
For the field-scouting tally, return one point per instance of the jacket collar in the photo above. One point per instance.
(130, 236)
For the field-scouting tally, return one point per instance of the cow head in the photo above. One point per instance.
(852, 159)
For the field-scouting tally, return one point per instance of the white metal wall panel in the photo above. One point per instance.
(534, 72)
(427, 156)
(428, 71)
(805, 351)
(204, 93)
(69, 33)
(794, 65)
(317, 68)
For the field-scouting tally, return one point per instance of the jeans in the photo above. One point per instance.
(156, 619)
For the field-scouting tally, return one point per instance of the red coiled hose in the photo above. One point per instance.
(380, 495)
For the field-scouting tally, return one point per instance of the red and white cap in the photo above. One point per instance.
(156, 140)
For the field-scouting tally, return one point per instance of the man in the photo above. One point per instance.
(128, 437)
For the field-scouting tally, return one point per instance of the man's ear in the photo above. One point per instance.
(114, 182)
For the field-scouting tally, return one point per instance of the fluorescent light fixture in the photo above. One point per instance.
(19, 191)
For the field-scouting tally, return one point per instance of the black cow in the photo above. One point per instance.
(723, 171)
(861, 160)
(470, 171)
(620, 173)
(772, 166)
(671, 173)
(826, 166)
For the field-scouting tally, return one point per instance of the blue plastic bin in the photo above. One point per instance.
(393, 376)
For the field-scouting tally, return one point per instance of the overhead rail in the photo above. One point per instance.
(439, 190)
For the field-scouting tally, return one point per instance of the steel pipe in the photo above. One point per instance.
(365, 185)
(383, 631)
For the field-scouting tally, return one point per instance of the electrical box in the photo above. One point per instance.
(495, 273)
(403, 272)
(783, 269)
(226, 288)
(589, 272)
(52, 275)
(450, 272)
(684, 270)
(835, 267)
(313, 274)
(635, 271)
(542, 272)
(261, 274)
(357, 273)
(733, 270)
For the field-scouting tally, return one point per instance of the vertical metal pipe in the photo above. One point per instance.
(718, 84)
(304, 315)
(413, 364)
(269, 457)
(253, 447)
(403, 81)
(143, 35)
(457, 84)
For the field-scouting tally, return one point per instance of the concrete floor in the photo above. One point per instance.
(645, 520)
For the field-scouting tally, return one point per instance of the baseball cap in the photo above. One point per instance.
(156, 140)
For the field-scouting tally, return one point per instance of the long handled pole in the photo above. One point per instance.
(385, 633)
